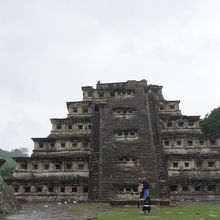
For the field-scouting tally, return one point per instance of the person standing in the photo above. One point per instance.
(145, 188)
(140, 188)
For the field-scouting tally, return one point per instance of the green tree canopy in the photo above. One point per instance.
(8, 168)
(211, 123)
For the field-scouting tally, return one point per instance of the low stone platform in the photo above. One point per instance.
(159, 202)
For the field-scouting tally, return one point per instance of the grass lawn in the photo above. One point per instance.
(181, 212)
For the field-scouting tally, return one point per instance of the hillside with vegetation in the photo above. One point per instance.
(8, 168)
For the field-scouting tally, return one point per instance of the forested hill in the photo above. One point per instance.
(7, 169)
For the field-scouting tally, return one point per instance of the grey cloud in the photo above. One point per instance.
(50, 48)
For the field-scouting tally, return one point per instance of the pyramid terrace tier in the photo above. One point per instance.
(79, 109)
(51, 187)
(202, 162)
(177, 141)
(70, 126)
(194, 175)
(195, 185)
(108, 90)
(118, 90)
(76, 164)
(60, 145)
(52, 175)
(53, 179)
(170, 107)
(180, 123)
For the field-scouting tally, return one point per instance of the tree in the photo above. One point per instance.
(8, 168)
(211, 123)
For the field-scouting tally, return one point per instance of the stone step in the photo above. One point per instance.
(161, 202)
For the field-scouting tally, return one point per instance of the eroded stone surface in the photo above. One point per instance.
(8, 202)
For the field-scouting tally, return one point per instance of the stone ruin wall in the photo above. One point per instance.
(8, 202)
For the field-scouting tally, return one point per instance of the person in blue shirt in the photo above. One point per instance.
(145, 188)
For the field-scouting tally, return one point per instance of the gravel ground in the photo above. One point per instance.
(58, 211)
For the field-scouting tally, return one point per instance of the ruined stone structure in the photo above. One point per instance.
(8, 202)
(121, 132)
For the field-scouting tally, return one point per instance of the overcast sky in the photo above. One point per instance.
(50, 48)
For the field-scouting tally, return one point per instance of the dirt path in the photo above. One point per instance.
(56, 211)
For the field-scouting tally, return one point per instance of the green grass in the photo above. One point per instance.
(182, 212)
